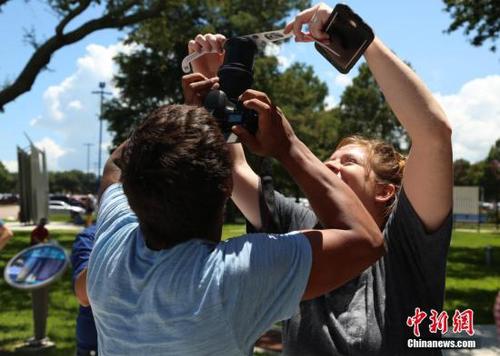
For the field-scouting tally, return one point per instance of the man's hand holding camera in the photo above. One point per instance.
(274, 136)
(196, 87)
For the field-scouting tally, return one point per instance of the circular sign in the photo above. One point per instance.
(36, 266)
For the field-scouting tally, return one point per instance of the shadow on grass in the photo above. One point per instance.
(471, 284)
(466, 262)
(69, 351)
(479, 300)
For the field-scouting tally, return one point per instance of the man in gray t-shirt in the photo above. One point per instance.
(367, 315)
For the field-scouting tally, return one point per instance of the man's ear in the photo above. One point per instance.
(384, 192)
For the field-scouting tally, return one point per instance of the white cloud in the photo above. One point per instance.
(53, 152)
(51, 96)
(75, 105)
(272, 49)
(99, 60)
(74, 92)
(474, 113)
(285, 61)
(72, 110)
(342, 80)
(35, 120)
(106, 145)
(330, 102)
(11, 166)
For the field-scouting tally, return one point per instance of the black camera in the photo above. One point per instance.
(235, 76)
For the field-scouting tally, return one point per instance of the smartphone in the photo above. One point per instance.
(349, 38)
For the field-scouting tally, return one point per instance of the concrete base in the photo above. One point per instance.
(486, 335)
(34, 346)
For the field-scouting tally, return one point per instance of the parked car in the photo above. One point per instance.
(9, 198)
(67, 199)
(59, 206)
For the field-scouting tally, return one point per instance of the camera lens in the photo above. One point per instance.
(236, 73)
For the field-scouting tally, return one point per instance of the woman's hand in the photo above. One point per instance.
(315, 17)
(213, 46)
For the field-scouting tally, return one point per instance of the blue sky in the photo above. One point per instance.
(60, 113)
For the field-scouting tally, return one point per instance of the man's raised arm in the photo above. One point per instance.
(340, 253)
(112, 172)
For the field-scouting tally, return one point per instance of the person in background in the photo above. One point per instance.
(496, 313)
(86, 334)
(89, 210)
(5, 235)
(40, 234)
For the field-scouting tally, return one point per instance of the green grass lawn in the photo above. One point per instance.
(60, 217)
(470, 284)
(16, 316)
(232, 230)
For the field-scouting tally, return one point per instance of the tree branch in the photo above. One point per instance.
(41, 57)
(71, 15)
(2, 2)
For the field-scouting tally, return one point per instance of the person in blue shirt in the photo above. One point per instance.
(86, 334)
(161, 281)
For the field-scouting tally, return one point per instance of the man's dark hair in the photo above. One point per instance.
(176, 173)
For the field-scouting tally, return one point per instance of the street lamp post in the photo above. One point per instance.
(495, 170)
(88, 144)
(101, 92)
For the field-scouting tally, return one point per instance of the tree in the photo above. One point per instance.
(116, 14)
(460, 172)
(151, 75)
(491, 178)
(465, 173)
(7, 180)
(72, 182)
(480, 18)
(364, 111)
(301, 95)
(476, 173)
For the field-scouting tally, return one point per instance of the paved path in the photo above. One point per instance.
(16, 226)
(9, 212)
(489, 343)
(483, 230)
(486, 336)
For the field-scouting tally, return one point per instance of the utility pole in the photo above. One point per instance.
(495, 170)
(101, 92)
(88, 144)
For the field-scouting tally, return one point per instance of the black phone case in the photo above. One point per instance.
(349, 38)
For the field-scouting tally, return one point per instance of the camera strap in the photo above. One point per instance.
(267, 205)
(261, 39)
(272, 222)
